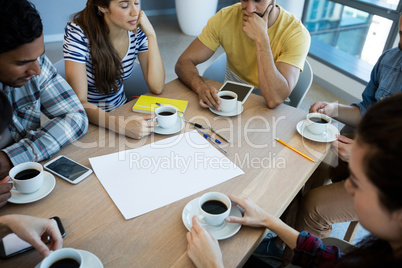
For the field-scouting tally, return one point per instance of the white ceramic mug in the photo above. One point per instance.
(227, 105)
(214, 219)
(316, 127)
(28, 185)
(166, 121)
(60, 254)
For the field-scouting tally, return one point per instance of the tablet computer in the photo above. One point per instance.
(243, 91)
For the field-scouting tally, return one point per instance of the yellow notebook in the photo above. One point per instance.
(148, 104)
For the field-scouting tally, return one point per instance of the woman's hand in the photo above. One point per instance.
(35, 231)
(254, 216)
(145, 25)
(137, 127)
(202, 248)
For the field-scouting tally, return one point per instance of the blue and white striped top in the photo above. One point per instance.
(76, 48)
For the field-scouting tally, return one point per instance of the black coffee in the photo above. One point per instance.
(166, 113)
(26, 174)
(318, 120)
(226, 97)
(214, 207)
(65, 263)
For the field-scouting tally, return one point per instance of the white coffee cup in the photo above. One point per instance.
(62, 254)
(227, 104)
(317, 123)
(166, 121)
(210, 204)
(30, 185)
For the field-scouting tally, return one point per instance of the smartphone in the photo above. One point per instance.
(12, 245)
(243, 91)
(67, 169)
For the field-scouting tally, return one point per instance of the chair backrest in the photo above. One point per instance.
(216, 71)
(135, 85)
(60, 68)
(302, 86)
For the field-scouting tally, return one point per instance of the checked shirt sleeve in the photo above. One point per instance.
(68, 120)
(311, 252)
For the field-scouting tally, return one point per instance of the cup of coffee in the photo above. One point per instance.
(64, 257)
(228, 101)
(166, 116)
(27, 177)
(214, 208)
(317, 123)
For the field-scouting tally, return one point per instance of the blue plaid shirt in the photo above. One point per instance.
(50, 94)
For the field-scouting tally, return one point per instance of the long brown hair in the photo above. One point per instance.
(106, 61)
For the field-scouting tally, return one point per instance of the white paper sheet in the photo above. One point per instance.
(155, 175)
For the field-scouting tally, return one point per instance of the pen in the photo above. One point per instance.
(194, 124)
(209, 136)
(294, 149)
(220, 135)
(214, 144)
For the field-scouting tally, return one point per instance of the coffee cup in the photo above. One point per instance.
(317, 123)
(166, 116)
(228, 101)
(214, 208)
(27, 177)
(64, 257)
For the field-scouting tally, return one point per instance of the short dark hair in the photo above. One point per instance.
(5, 112)
(20, 24)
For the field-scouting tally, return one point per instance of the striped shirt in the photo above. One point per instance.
(50, 94)
(76, 48)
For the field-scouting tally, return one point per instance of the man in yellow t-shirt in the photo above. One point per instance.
(266, 46)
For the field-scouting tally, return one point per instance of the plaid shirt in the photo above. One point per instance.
(311, 252)
(50, 94)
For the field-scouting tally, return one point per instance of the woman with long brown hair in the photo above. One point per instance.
(101, 44)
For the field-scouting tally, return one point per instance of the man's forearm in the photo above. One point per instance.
(347, 114)
(187, 72)
(274, 86)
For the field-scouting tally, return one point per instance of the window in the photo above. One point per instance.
(356, 31)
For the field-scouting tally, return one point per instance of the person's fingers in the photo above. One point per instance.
(344, 139)
(236, 200)
(233, 219)
(203, 104)
(267, 13)
(196, 225)
(40, 246)
(5, 180)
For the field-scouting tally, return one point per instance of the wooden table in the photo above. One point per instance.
(273, 176)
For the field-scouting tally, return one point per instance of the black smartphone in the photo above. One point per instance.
(12, 245)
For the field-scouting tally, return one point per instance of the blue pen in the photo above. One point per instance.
(208, 136)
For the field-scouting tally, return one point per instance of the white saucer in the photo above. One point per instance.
(238, 110)
(224, 231)
(328, 136)
(48, 184)
(172, 130)
(90, 260)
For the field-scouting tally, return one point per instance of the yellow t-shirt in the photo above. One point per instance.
(289, 39)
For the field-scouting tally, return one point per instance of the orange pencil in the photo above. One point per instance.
(294, 149)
